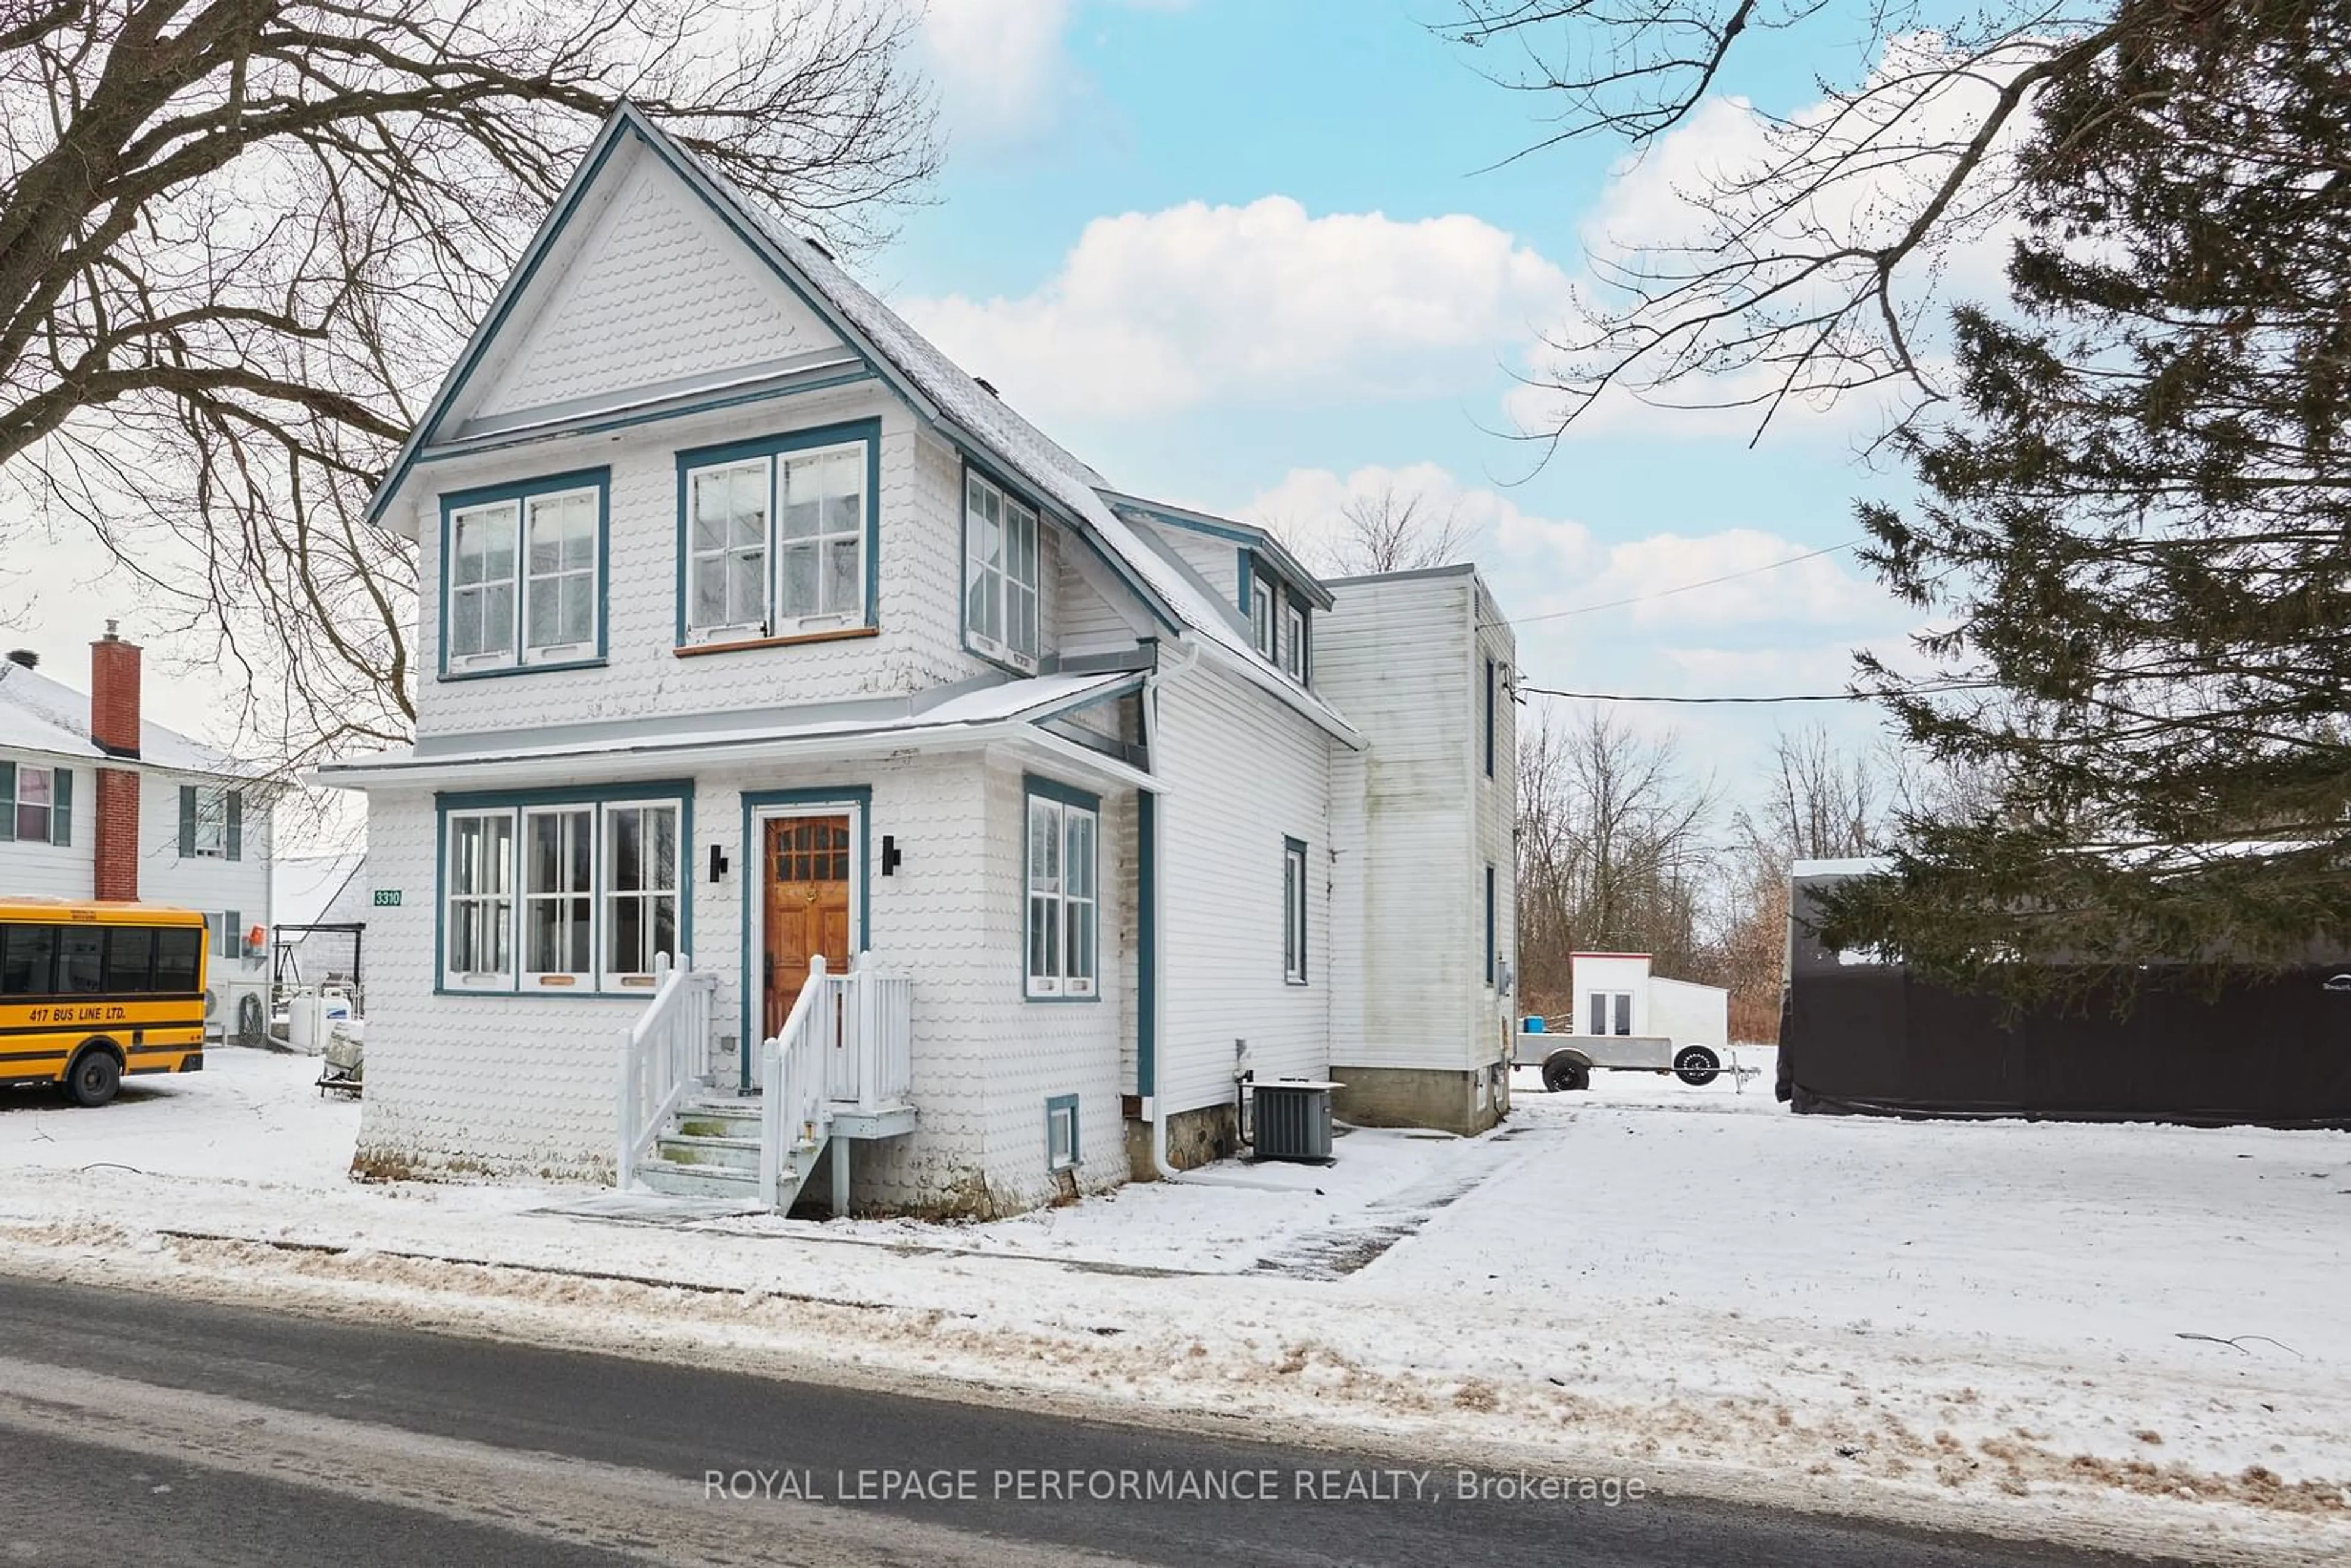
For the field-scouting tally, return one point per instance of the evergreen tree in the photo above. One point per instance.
(2135, 540)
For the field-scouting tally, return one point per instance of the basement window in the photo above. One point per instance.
(1061, 1132)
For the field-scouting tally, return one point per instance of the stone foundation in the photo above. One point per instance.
(1465, 1101)
(1193, 1138)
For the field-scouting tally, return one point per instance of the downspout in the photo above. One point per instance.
(1147, 1049)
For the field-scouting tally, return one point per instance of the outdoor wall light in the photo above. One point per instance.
(717, 863)
(890, 855)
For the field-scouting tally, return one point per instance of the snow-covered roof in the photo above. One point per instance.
(302, 888)
(959, 717)
(37, 714)
(938, 388)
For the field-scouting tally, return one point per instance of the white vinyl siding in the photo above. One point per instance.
(1063, 916)
(1001, 573)
(776, 544)
(584, 894)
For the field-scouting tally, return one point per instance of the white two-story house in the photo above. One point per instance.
(757, 633)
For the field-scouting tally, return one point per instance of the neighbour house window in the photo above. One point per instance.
(1490, 718)
(999, 573)
(524, 575)
(1293, 639)
(211, 823)
(1612, 1012)
(1061, 1132)
(35, 804)
(777, 537)
(224, 933)
(1293, 911)
(573, 893)
(1063, 913)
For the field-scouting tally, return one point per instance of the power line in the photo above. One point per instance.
(1683, 588)
(1714, 702)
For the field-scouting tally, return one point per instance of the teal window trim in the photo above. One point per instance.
(457, 802)
(1037, 787)
(750, 874)
(1015, 663)
(1244, 576)
(1055, 1105)
(521, 491)
(1295, 902)
(845, 433)
(1489, 924)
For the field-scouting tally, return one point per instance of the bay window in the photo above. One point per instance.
(522, 574)
(1000, 557)
(778, 536)
(1063, 908)
(575, 892)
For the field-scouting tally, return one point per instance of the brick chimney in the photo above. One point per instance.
(114, 730)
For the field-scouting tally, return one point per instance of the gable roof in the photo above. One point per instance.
(1261, 541)
(941, 391)
(37, 714)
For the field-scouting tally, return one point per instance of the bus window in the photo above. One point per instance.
(177, 950)
(26, 952)
(81, 970)
(129, 960)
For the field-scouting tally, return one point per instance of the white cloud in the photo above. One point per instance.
(1002, 66)
(1153, 312)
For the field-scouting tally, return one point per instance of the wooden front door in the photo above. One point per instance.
(805, 877)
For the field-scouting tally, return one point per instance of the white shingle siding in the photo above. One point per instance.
(1417, 822)
(655, 292)
(1243, 772)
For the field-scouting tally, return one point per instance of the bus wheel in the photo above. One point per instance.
(94, 1077)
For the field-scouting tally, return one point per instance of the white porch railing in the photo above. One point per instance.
(662, 1055)
(870, 1017)
(793, 1115)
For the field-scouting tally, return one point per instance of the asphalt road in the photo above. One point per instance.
(153, 1430)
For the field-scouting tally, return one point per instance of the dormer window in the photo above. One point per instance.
(1262, 629)
(523, 575)
(777, 536)
(999, 573)
(1293, 639)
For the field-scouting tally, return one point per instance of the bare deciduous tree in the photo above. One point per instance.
(1395, 530)
(239, 239)
(1612, 853)
(1808, 269)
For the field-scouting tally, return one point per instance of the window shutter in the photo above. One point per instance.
(187, 821)
(235, 823)
(61, 807)
(7, 801)
(233, 939)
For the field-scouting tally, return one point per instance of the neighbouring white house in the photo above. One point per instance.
(1617, 994)
(810, 755)
(99, 802)
(320, 906)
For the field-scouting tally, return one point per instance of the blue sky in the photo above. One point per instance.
(1253, 257)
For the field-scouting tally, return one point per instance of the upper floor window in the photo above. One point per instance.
(35, 804)
(1000, 572)
(1261, 622)
(523, 574)
(777, 536)
(1293, 639)
(211, 823)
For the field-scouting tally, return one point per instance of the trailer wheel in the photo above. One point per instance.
(1697, 1064)
(1562, 1073)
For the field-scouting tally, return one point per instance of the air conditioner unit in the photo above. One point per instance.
(237, 1009)
(1292, 1119)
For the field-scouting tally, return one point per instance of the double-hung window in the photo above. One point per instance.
(35, 804)
(573, 893)
(1293, 911)
(1293, 639)
(1261, 619)
(523, 574)
(211, 823)
(1000, 572)
(1061, 891)
(776, 537)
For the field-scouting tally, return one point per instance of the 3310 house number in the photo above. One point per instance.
(387, 898)
(76, 1015)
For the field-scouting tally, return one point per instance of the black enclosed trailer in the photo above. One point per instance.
(1858, 1035)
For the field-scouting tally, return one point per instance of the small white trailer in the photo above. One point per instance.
(1627, 1020)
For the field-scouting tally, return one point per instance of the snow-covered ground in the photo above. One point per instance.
(2122, 1333)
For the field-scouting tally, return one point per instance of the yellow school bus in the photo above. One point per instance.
(91, 991)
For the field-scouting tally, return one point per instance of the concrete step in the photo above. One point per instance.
(733, 1152)
(698, 1181)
